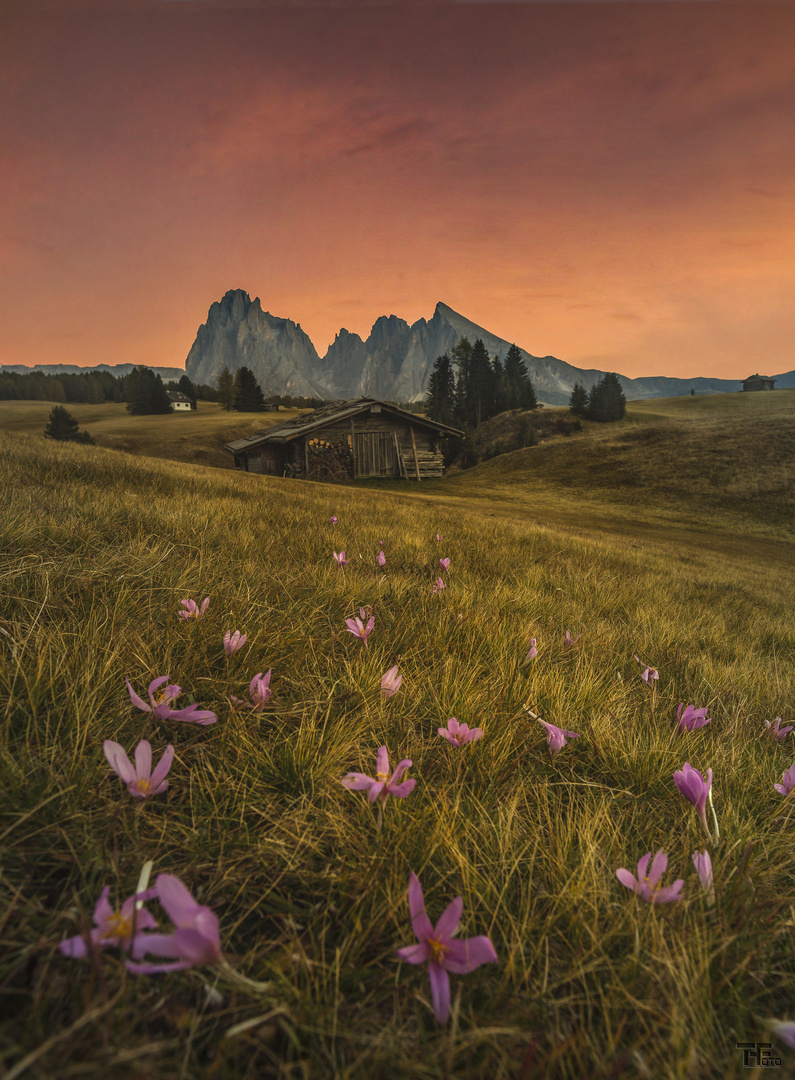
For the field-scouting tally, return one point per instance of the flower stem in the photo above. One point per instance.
(714, 815)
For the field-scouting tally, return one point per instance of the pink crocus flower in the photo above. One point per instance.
(787, 785)
(439, 948)
(459, 734)
(703, 865)
(647, 883)
(381, 558)
(439, 538)
(532, 652)
(259, 691)
(332, 520)
(192, 609)
(438, 586)
(139, 778)
(112, 927)
(775, 729)
(691, 718)
(444, 563)
(196, 939)
(556, 736)
(233, 642)
(695, 788)
(390, 683)
(383, 784)
(358, 628)
(569, 641)
(340, 557)
(160, 703)
(784, 1030)
(649, 674)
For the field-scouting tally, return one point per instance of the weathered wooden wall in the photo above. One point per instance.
(382, 446)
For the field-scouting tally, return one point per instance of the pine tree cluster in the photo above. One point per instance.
(240, 391)
(605, 402)
(88, 388)
(144, 393)
(467, 387)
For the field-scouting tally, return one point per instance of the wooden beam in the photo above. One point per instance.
(306, 458)
(414, 444)
(353, 450)
(398, 457)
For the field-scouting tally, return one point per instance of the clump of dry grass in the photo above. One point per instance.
(98, 549)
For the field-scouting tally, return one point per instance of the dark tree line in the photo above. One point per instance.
(139, 388)
(467, 387)
(91, 388)
(604, 402)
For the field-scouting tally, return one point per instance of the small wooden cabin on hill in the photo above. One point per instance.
(347, 439)
(759, 382)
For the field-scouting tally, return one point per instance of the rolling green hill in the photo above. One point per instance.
(309, 885)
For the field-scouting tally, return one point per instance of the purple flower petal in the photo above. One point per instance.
(139, 703)
(175, 898)
(118, 761)
(402, 790)
(465, 956)
(143, 759)
(415, 954)
(449, 919)
(422, 925)
(161, 771)
(356, 781)
(627, 879)
(406, 763)
(658, 867)
(440, 991)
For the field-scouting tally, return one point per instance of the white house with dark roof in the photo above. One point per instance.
(179, 402)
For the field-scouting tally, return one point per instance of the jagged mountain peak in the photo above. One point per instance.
(394, 362)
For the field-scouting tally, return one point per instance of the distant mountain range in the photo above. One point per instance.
(119, 370)
(394, 362)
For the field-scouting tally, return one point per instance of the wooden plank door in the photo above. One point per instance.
(374, 453)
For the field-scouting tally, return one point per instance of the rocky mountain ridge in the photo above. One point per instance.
(394, 362)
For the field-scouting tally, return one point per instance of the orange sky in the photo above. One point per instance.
(612, 183)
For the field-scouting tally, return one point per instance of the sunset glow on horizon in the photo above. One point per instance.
(609, 183)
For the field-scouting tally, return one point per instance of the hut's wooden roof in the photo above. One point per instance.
(332, 413)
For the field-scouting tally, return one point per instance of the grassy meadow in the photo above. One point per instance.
(197, 437)
(613, 535)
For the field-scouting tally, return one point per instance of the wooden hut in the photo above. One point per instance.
(759, 382)
(347, 439)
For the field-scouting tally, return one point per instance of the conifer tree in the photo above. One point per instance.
(500, 386)
(607, 401)
(186, 387)
(226, 389)
(63, 427)
(481, 385)
(145, 393)
(462, 361)
(578, 402)
(440, 399)
(521, 393)
(248, 392)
